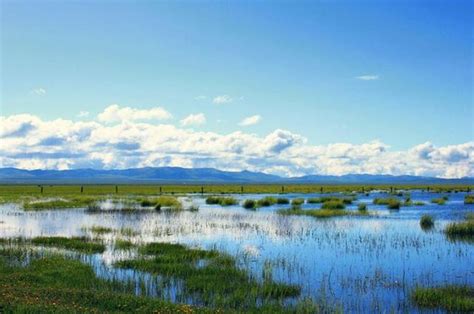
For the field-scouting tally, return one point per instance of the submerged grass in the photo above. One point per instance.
(450, 298)
(80, 244)
(211, 275)
(55, 284)
(321, 213)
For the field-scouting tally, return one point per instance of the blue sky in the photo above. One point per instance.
(299, 65)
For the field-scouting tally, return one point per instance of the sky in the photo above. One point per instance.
(283, 87)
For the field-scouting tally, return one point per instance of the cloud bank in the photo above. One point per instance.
(123, 137)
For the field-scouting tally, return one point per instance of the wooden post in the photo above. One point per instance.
(321, 190)
(161, 191)
(282, 189)
(242, 189)
(82, 188)
(116, 189)
(41, 189)
(202, 190)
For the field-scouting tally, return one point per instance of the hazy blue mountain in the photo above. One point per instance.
(198, 175)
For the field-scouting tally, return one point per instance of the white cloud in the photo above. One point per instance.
(223, 99)
(368, 77)
(250, 120)
(83, 114)
(194, 119)
(115, 113)
(39, 91)
(26, 141)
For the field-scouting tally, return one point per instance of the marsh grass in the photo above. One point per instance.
(362, 207)
(426, 222)
(55, 284)
(439, 201)
(321, 213)
(63, 203)
(283, 201)
(462, 231)
(218, 282)
(297, 201)
(121, 244)
(98, 229)
(267, 201)
(333, 204)
(80, 244)
(392, 203)
(469, 199)
(249, 204)
(450, 298)
(221, 200)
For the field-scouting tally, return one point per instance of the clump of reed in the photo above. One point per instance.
(267, 201)
(362, 207)
(80, 244)
(440, 200)
(469, 199)
(283, 201)
(321, 213)
(463, 231)
(249, 204)
(426, 222)
(297, 201)
(392, 203)
(333, 204)
(221, 200)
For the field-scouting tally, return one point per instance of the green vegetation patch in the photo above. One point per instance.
(80, 244)
(47, 204)
(333, 204)
(267, 201)
(439, 201)
(321, 213)
(221, 200)
(59, 285)
(450, 298)
(469, 199)
(211, 275)
(249, 204)
(297, 201)
(426, 222)
(392, 203)
(463, 231)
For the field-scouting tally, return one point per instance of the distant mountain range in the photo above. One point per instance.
(198, 175)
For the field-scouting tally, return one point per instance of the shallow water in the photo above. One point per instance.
(363, 264)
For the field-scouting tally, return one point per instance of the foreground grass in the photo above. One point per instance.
(322, 213)
(450, 298)
(58, 285)
(217, 282)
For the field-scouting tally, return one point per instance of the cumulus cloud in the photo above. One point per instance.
(250, 120)
(115, 113)
(194, 119)
(223, 99)
(368, 77)
(28, 142)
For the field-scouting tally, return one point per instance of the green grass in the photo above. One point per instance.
(321, 213)
(469, 199)
(221, 200)
(219, 283)
(283, 201)
(55, 284)
(392, 203)
(333, 204)
(47, 204)
(123, 244)
(449, 298)
(267, 201)
(463, 231)
(297, 201)
(362, 207)
(76, 243)
(249, 204)
(439, 201)
(98, 229)
(426, 222)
